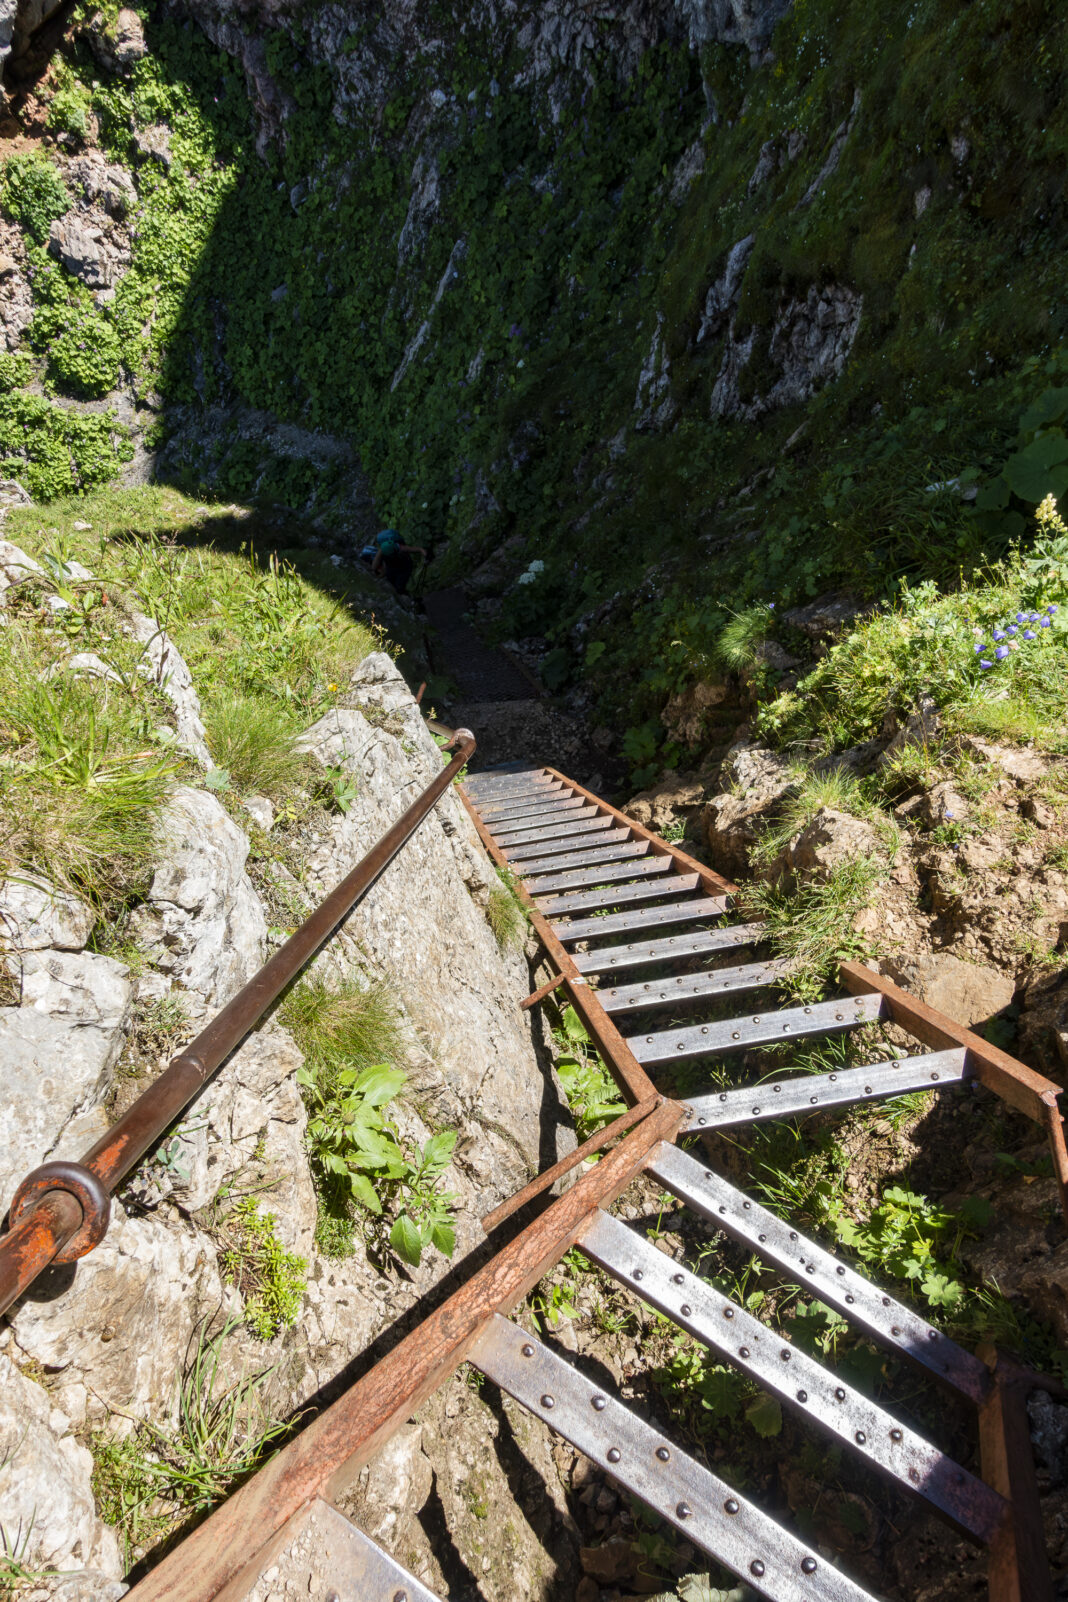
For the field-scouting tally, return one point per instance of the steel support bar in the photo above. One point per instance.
(1019, 1566)
(603, 959)
(758, 1029)
(1020, 1086)
(703, 1508)
(327, 1455)
(819, 1272)
(808, 1388)
(647, 918)
(142, 1125)
(810, 1093)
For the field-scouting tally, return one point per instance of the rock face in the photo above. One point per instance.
(967, 991)
(746, 22)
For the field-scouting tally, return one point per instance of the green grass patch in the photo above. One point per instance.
(505, 913)
(270, 1278)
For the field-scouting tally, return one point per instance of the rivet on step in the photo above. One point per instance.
(613, 1454)
(793, 1234)
(813, 1100)
(638, 1274)
(839, 1394)
(756, 1568)
(867, 1090)
(838, 1017)
(895, 1330)
(896, 1435)
(785, 1354)
(702, 1122)
(728, 1312)
(684, 1510)
(676, 1279)
(662, 1453)
(833, 1078)
(914, 1476)
(599, 1403)
(932, 1334)
(802, 1396)
(548, 1401)
(851, 1300)
(743, 1351)
(685, 1309)
(528, 1350)
(723, 1097)
(808, 1565)
(756, 1111)
(723, 1210)
(934, 1076)
(762, 1238)
(886, 1301)
(730, 1506)
(736, 1035)
(839, 1270)
(398, 1596)
(748, 1206)
(777, 1089)
(680, 1045)
(860, 1438)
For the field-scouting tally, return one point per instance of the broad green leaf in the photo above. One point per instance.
(765, 1415)
(1038, 470)
(444, 1237)
(379, 1085)
(439, 1148)
(364, 1192)
(406, 1241)
(721, 1392)
(335, 1164)
(1050, 407)
(305, 1076)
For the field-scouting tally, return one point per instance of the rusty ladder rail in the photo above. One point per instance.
(543, 827)
(60, 1211)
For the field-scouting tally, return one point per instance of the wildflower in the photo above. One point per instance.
(1002, 652)
(986, 664)
(1020, 618)
(1029, 634)
(1011, 629)
(1051, 608)
(979, 649)
(999, 634)
(1045, 622)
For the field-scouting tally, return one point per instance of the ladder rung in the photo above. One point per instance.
(715, 982)
(758, 1029)
(524, 833)
(567, 842)
(531, 790)
(505, 817)
(488, 780)
(809, 1093)
(821, 1274)
(636, 868)
(674, 884)
(705, 1509)
(797, 1379)
(581, 859)
(644, 918)
(606, 958)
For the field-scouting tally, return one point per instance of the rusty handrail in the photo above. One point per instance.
(60, 1211)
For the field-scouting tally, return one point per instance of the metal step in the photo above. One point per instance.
(521, 811)
(795, 1378)
(688, 986)
(490, 780)
(645, 918)
(672, 884)
(636, 868)
(321, 1555)
(673, 947)
(569, 839)
(525, 833)
(703, 1508)
(758, 1029)
(820, 1273)
(626, 847)
(523, 791)
(809, 1093)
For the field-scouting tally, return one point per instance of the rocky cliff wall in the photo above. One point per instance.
(91, 1355)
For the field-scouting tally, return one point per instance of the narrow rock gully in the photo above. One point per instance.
(912, 1481)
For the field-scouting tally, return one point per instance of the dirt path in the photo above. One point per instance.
(503, 704)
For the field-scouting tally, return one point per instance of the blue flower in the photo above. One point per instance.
(1051, 608)
(998, 634)
(1032, 617)
(985, 664)
(1011, 629)
(1029, 634)
(1002, 652)
(979, 649)
(1020, 617)
(1046, 622)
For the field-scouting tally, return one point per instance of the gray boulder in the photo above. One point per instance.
(35, 914)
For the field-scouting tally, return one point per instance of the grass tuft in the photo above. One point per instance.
(251, 738)
(814, 925)
(505, 913)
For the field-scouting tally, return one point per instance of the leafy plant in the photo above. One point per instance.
(592, 1094)
(270, 1278)
(32, 193)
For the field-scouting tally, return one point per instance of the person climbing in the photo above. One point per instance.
(394, 559)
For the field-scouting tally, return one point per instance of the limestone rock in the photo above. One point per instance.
(102, 182)
(88, 249)
(684, 717)
(830, 840)
(15, 565)
(657, 808)
(746, 22)
(35, 914)
(922, 728)
(966, 991)
(757, 773)
(118, 46)
(86, 665)
(734, 821)
(1017, 762)
(114, 1328)
(653, 401)
(202, 921)
(392, 1490)
(166, 667)
(11, 491)
(46, 1499)
(54, 1068)
(89, 989)
(825, 615)
(260, 810)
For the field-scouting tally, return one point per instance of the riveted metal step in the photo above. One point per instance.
(500, 818)
(622, 846)
(321, 1555)
(822, 1274)
(526, 833)
(645, 918)
(574, 879)
(704, 1508)
(672, 884)
(691, 986)
(603, 959)
(809, 1093)
(758, 1029)
(800, 1381)
(565, 838)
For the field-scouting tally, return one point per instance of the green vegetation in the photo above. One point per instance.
(505, 913)
(270, 1279)
(251, 739)
(154, 1480)
(32, 193)
(357, 1154)
(592, 1094)
(813, 924)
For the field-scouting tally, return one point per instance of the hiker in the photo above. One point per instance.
(394, 559)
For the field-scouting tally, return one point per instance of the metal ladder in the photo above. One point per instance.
(607, 897)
